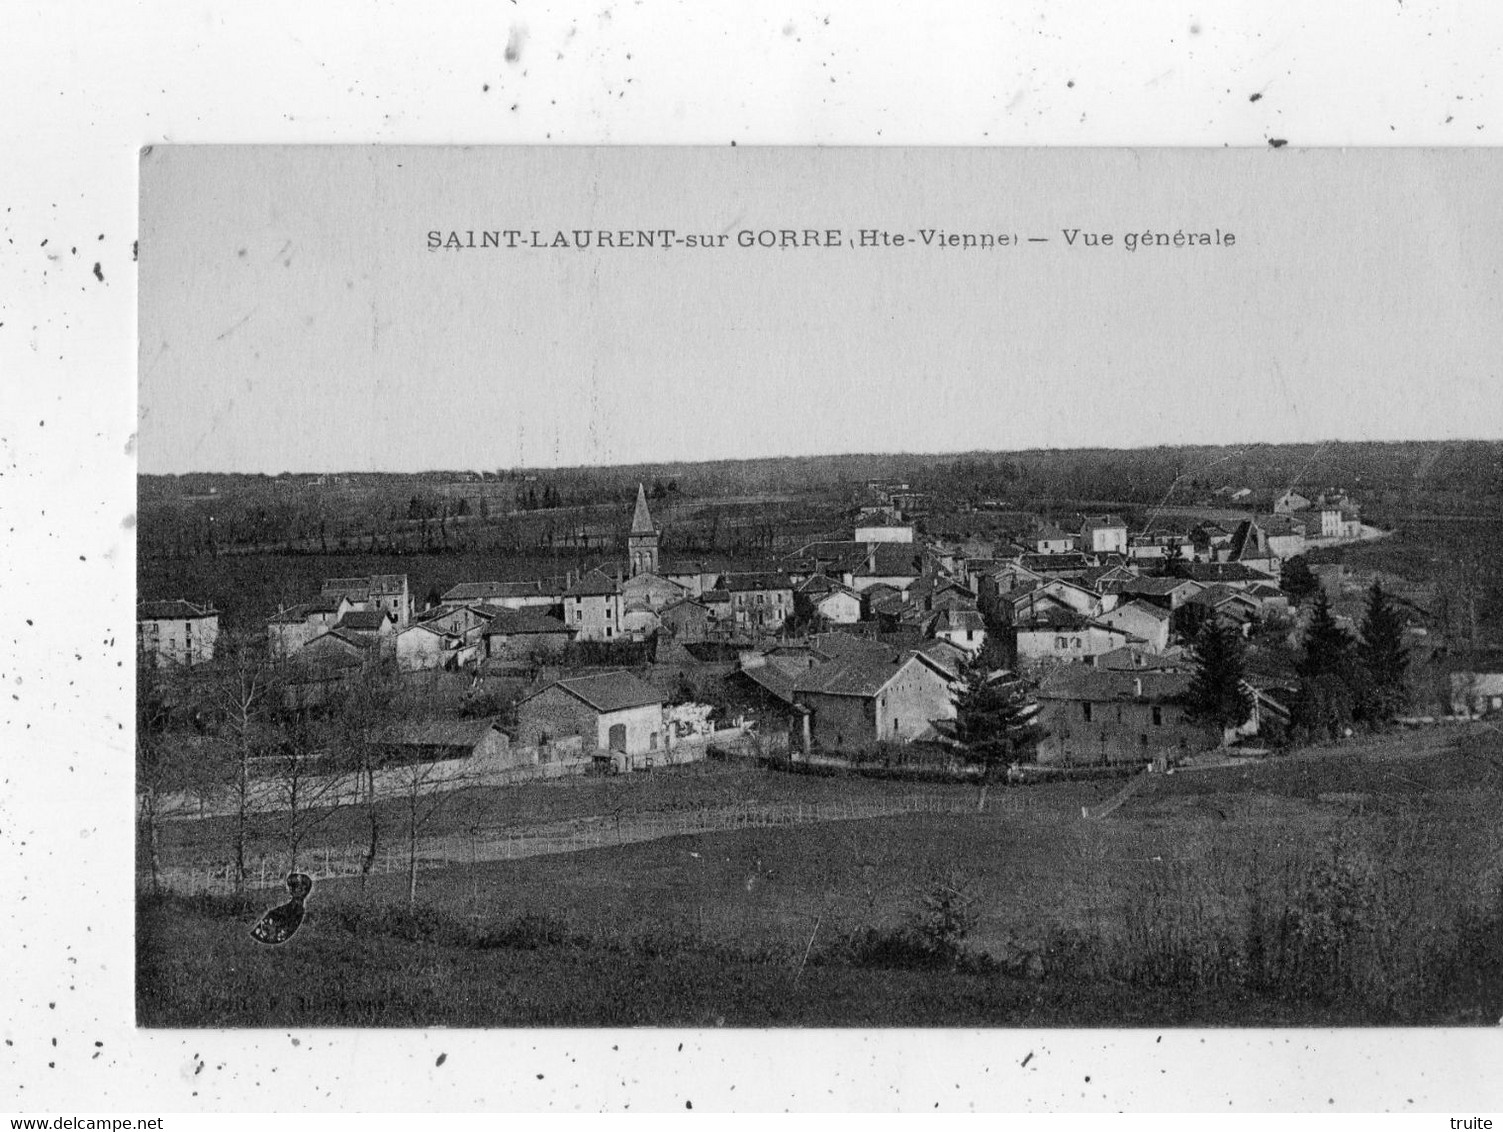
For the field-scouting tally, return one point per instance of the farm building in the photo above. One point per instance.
(434, 740)
(614, 714)
(525, 634)
(1090, 716)
(868, 699)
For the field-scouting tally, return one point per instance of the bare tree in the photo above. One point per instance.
(307, 785)
(244, 687)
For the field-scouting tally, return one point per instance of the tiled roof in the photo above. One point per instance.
(1157, 612)
(466, 592)
(1102, 523)
(1081, 682)
(177, 610)
(1223, 572)
(610, 691)
(958, 620)
(1155, 587)
(363, 622)
(762, 580)
(1133, 659)
(1046, 563)
(594, 584)
(514, 622)
(854, 676)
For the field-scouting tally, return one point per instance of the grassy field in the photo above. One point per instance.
(1355, 885)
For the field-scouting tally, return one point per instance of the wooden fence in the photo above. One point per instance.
(496, 843)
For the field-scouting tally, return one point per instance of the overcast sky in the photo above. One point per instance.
(293, 317)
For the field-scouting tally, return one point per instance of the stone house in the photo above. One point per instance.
(685, 620)
(505, 595)
(290, 629)
(176, 632)
(376, 627)
(525, 634)
(760, 602)
(592, 608)
(428, 645)
(1143, 620)
(1103, 534)
(1067, 638)
(1093, 717)
(382, 592)
(963, 628)
(863, 700)
(615, 715)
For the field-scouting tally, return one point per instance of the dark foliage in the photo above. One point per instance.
(1218, 691)
(1329, 679)
(1298, 580)
(1384, 660)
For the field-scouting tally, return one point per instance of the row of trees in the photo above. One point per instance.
(1342, 679)
(240, 736)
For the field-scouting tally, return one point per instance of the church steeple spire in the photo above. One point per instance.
(641, 520)
(642, 543)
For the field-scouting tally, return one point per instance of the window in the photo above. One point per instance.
(1075, 642)
(1085, 712)
(1158, 717)
(1061, 643)
(607, 631)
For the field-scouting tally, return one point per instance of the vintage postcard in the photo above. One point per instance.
(805, 587)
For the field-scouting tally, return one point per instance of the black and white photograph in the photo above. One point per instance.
(818, 588)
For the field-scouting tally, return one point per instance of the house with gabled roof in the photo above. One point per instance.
(1071, 565)
(760, 601)
(1290, 502)
(525, 634)
(616, 716)
(863, 700)
(1235, 574)
(963, 628)
(592, 607)
(1049, 539)
(427, 644)
(823, 597)
(375, 627)
(1249, 546)
(687, 620)
(386, 592)
(1092, 716)
(176, 632)
(536, 594)
(1103, 534)
(292, 628)
(1064, 635)
(1141, 619)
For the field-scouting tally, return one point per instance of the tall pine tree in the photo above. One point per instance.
(1383, 659)
(993, 725)
(1218, 694)
(1326, 703)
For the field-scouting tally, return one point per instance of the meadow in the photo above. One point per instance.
(1361, 884)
